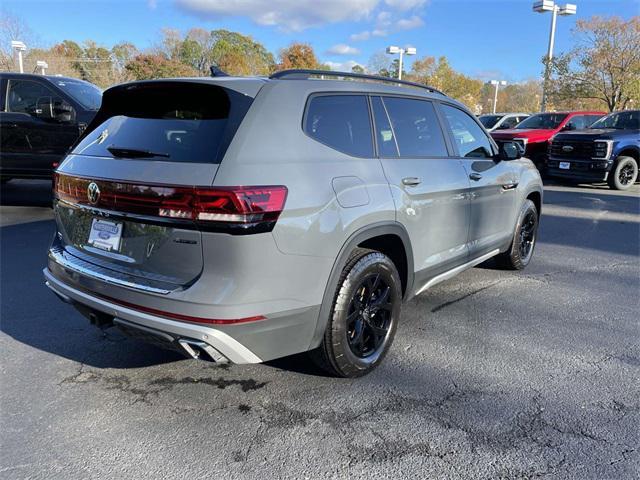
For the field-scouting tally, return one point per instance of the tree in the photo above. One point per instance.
(238, 54)
(439, 74)
(298, 55)
(604, 65)
(357, 69)
(379, 64)
(12, 28)
(156, 65)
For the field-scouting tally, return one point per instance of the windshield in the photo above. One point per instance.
(489, 121)
(85, 93)
(543, 121)
(620, 121)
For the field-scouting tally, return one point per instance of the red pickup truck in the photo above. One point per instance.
(535, 132)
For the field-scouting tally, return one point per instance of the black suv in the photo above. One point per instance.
(40, 118)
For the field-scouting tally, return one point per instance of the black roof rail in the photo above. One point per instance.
(303, 74)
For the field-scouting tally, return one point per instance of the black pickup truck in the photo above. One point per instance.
(40, 118)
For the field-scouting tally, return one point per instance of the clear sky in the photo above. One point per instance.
(501, 39)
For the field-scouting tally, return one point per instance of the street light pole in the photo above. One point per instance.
(542, 6)
(497, 84)
(402, 51)
(42, 65)
(19, 47)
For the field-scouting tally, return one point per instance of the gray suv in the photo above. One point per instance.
(245, 219)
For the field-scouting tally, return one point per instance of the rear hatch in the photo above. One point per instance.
(124, 197)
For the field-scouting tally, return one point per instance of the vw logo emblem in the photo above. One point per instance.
(567, 148)
(93, 193)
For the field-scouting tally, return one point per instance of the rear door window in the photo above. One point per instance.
(416, 127)
(470, 139)
(341, 122)
(176, 122)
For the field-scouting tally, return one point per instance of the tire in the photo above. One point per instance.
(524, 239)
(359, 332)
(624, 174)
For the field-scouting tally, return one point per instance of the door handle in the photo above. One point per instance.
(475, 176)
(411, 181)
(9, 125)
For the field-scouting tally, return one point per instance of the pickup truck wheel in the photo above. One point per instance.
(624, 174)
(524, 239)
(364, 316)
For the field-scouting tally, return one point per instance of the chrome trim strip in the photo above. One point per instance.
(63, 262)
(455, 271)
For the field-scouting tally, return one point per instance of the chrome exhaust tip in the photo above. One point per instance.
(201, 351)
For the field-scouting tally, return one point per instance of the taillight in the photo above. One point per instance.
(240, 208)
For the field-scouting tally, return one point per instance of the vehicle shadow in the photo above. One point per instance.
(32, 315)
(26, 193)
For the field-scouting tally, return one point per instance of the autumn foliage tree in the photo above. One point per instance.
(299, 55)
(604, 65)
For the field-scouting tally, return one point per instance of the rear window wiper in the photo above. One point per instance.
(124, 152)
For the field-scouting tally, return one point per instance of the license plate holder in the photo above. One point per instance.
(565, 165)
(105, 234)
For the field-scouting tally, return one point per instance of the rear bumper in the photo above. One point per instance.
(278, 335)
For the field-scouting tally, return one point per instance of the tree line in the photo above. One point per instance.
(602, 71)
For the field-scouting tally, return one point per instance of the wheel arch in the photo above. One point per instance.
(629, 151)
(381, 236)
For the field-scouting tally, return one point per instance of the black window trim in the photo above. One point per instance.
(457, 155)
(343, 93)
(450, 151)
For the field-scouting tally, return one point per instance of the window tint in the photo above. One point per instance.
(30, 97)
(592, 118)
(489, 121)
(416, 127)
(469, 137)
(578, 122)
(622, 121)
(510, 123)
(176, 122)
(544, 121)
(88, 95)
(341, 122)
(384, 134)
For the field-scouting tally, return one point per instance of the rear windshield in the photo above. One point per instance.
(543, 121)
(175, 122)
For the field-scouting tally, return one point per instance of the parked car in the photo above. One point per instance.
(40, 118)
(609, 151)
(535, 132)
(502, 121)
(245, 219)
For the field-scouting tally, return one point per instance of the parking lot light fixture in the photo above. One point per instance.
(497, 84)
(19, 47)
(392, 50)
(42, 65)
(542, 6)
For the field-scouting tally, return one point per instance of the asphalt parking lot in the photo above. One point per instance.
(492, 374)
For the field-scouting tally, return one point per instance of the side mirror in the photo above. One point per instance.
(509, 151)
(44, 108)
(63, 112)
